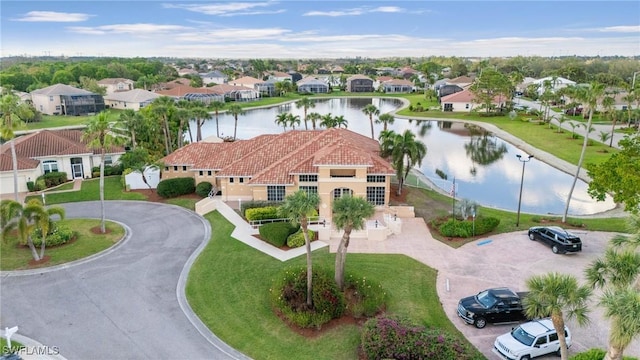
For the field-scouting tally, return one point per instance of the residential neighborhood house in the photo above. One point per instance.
(61, 99)
(464, 101)
(49, 151)
(329, 162)
(113, 85)
(134, 99)
(359, 83)
(213, 77)
(312, 85)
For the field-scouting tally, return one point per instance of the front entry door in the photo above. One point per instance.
(76, 168)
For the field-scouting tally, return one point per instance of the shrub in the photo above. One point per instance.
(108, 170)
(53, 178)
(58, 235)
(366, 298)
(40, 185)
(297, 239)
(456, 228)
(204, 188)
(31, 186)
(277, 233)
(175, 187)
(536, 219)
(256, 204)
(465, 228)
(486, 224)
(595, 354)
(263, 213)
(391, 338)
(289, 293)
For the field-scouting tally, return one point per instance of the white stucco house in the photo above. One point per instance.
(556, 84)
(113, 85)
(61, 99)
(133, 99)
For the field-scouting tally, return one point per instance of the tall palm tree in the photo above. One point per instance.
(98, 135)
(129, 121)
(282, 120)
(405, 152)
(339, 121)
(385, 119)
(293, 120)
(164, 107)
(349, 213)
(183, 115)
(371, 110)
(235, 110)
(617, 273)
(589, 97)
(216, 106)
(554, 294)
(306, 104)
(314, 117)
(201, 114)
(13, 114)
(296, 208)
(327, 121)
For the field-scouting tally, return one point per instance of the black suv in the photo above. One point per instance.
(560, 240)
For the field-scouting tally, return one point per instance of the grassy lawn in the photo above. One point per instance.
(15, 257)
(51, 121)
(185, 203)
(65, 186)
(229, 283)
(3, 344)
(113, 190)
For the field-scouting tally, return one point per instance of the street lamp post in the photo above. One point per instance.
(524, 161)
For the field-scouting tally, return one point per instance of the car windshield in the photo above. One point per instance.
(522, 336)
(486, 299)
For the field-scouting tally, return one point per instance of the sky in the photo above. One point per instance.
(306, 29)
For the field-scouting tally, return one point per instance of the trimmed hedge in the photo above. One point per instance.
(297, 239)
(465, 228)
(51, 179)
(262, 213)
(277, 233)
(246, 205)
(108, 170)
(391, 338)
(177, 186)
(203, 189)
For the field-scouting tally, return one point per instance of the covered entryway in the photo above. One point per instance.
(77, 170)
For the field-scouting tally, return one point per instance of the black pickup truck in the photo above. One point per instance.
(497, 305)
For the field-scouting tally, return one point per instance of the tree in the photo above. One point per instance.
(282, 120)
(293, 120)
(490, 85)
(604, 136)
(235, 110)
(349, 213)
(129, 121)
(216, 106)
(296, 208)
(314, 117)
(371, 110)
(619, 175)
(554, 294)
(405, 152)
(306, 104)
(164, 107)
(339, 121)
(201, 114)
(98, 135)
(138, 160)
(561, 120)
(590, 97)
(385, 119)
(617, 274)
(25, 219)
(327, 121)
(12, 114)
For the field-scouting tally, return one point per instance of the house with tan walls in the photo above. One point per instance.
(113, 85)
(134, 99)
(330, 162)
(61, 99)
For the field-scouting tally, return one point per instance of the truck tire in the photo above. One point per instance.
(480, 322)
(526, 357)
(532, 236)
(555, 249)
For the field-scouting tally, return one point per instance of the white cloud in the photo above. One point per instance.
(621, 29)
(137, 29)
(388, 9)
(335, 13)
(53, 16)
(228, 9)
(232, 35)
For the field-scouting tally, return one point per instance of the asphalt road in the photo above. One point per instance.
(125, 304)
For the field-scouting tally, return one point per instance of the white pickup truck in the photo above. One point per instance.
(532, 339)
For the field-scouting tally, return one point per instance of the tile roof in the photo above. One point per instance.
(358, 76)
(182, 90)
(47, 143)
(273, 159)
(113, 81)
(460, 80)
(465, 96)
(61, 89)
(398, 82)
(133, 96)
(246, 80)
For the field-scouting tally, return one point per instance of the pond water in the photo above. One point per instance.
(485, 168)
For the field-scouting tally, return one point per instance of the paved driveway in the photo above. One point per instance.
(507, 260)
(125, 304)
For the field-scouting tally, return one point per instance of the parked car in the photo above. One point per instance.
(529, 340)
(573, 111)
(497, 305)
(560, 240)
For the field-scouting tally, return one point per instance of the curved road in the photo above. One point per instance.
(125, 304)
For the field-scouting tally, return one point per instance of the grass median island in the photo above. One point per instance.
(228, 288)
(16, 257)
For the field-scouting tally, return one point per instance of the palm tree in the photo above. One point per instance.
(296, 208)
(385, 119)
(405, 152)
(98, 135)
(129, 121)
(608, 103)
(604, 136)
(183, 114)
(561, 120)
(371, 110)
(327, 121)
(306, 104)
(25, 219)
(282, 120)
(216, 106)
(617, 273)
(314, 117)
(164, 107)
(339, 121)
(201, 114)
(349, 213)
(293, 120)
(13, 114)
(235, 110)
(554, 294)
(590, 98)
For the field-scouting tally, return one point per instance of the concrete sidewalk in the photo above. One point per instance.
(77, 185)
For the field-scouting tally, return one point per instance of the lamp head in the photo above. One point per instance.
(518, 156)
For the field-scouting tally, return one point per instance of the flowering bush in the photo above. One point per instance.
(289, 294)
(391, 338)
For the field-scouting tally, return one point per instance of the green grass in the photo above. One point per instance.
(113, 190)
(65, 186)
(185, 203)
(229, 283)
(3, 344)
(16, 257)
(52, 121)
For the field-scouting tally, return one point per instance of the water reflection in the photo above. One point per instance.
(485, 167)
